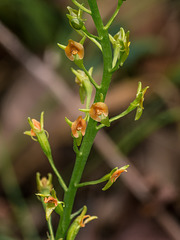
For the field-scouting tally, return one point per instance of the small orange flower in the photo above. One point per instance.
(74, 48)
(78, 126)
(116, 174)
(51, 200)
(37, 125)
(98, 111)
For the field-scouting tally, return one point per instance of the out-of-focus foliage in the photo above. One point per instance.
(38, 23)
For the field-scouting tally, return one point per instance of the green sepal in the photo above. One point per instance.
(108, 185)
(79, 140)
(105, 121)
(82, 94)
(73, 215)
(139, 112)
(68, 121)
(139, 89)
(43, 195)
(75, 23)
(59, 209)
(78, 61)
(61, 46)
(49, 209)
(140, 99)
(27, 133)
(84, 110)
(44, 143)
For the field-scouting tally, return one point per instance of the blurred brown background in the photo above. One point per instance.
(35, 76)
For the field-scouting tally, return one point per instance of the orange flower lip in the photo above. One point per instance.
(51, 200)
(74, 48)
(37, 125)
(79, 125)
(116, 174)
(82, 223)
(97, 110)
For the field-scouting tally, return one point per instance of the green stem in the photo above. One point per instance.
(128, 110)
(122, 114)
(114, 15)
(75, 178)
(50, 229)
(106, 50)
(89, 34)
(91, 130)
(76, 213)
(90, 183)
(92, 39)
(61, 182)
(80, 6)
(90, 78)
(75, 147)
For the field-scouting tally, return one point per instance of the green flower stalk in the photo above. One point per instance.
(38, 133)
(114, 50)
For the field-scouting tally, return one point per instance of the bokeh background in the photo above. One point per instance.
(35, 76)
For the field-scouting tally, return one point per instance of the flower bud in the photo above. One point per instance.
(140, 98)
(37, 130)
(44, 185)
(121, 44)
(85, 87)
(75, 18)
(76, 23)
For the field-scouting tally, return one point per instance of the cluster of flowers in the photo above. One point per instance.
(99, 110)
